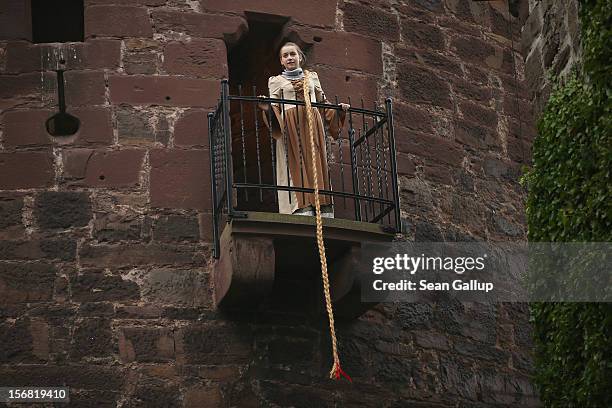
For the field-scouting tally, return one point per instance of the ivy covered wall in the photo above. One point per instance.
(569, 201)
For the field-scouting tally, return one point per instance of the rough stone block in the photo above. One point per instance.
(112, 227)
(103, 168)
(26, 282)
(146, 344)
(94, 286)
(412, 117)
(54, 209)
(141, 56)
(478, 52)
(422, 86)
(191, 129)
(92, 338)
(405, 165)
(370, 21)
(346, 84)
(24, 56)
(229, 28)
(471, 91)
(428, 59)
(134, 254)
(22, 170)
(16, 21)
(24, 341)
(214, 344)
(11, 225)
(28, 128)
(180, 179)
(203, 396)
(184, 287)
(84, 88)
(344, 50)
(135, 126)
(34, 249)
(421, 35)
(310, 12)
(86, 377)
(429, 147)
(117, 21)
(200, 57)
(27, 90)
(478, 137)
(437, 173)
(176, 228)
(164, 90)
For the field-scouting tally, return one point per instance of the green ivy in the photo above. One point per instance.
(569, 200)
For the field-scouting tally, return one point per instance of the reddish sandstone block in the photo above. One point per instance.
(412, 117)
(93, 54)
(345, 84)
(370, 21)
(422, 86)
(310, 12)
(180, 179)
(471, 91)
(422, 35)
(200, 25)
(191, 129)
(117, 21)
(26, 170)
(429, 59)
(15, 21)
(344, 50)
(478, 52)
(428, 147)
(201, 57)
(474, 135)
(479, 114)
(84, 88)
(28, 128)
(103, 168)
(405, 165)
(146, 345)
(163, 90)
(27, 90)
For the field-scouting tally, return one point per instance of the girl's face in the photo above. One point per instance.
(289, 57)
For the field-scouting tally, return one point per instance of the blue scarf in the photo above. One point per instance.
(294, 74)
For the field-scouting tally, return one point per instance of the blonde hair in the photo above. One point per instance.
(299, 50)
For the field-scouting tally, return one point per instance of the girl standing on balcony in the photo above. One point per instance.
(290, 129)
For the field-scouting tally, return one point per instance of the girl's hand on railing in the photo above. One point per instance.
(262, 105)
(345, 106)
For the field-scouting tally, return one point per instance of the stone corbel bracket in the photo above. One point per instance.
(245, 272)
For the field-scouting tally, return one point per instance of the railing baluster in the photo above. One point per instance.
(378, 163)
(257, 146)
(244, 163)
(398, 223)
(229, 173)
(341, 163)
(213, 186)
(272, 149)
(351, 135)
(284, 117)
(301, 152)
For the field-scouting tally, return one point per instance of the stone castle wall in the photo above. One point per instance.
(106, 235)
(551, 45)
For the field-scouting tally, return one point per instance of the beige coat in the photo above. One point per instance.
(293, 150)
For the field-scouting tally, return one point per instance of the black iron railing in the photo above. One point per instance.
(362, 168)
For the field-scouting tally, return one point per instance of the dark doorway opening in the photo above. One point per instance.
(251, 62)
(57, 21)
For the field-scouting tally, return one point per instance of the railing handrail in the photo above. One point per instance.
(352, 109)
